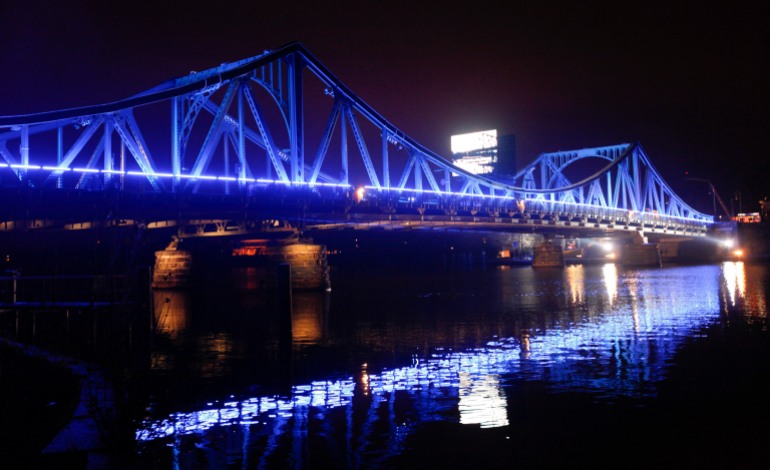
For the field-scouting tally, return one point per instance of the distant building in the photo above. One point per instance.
(506, 156)
(748, 218)
(482, 153)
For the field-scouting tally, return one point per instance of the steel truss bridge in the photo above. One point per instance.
(281, 121)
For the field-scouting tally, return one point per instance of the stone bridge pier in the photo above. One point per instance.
(175, 266)
(631, 250)
(637, 251)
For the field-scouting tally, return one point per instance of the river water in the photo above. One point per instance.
(464, 367)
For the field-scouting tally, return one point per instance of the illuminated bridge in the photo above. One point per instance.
(278, 136)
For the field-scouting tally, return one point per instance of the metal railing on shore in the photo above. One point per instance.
(19, 291)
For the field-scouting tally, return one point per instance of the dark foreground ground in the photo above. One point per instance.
(36, 400)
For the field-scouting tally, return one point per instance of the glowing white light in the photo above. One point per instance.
(461, 143)
(25, 167)
(359, 194)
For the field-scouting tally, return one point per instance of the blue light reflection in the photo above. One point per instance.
(622, 352)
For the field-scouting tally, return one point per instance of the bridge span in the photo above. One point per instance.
(279, 137)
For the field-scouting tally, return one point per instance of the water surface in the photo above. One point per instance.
(463, 367)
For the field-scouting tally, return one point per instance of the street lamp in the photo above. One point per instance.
(714, 195)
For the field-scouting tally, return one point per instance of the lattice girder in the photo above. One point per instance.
(271, 138)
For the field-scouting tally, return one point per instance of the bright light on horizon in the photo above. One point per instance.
(462, 143)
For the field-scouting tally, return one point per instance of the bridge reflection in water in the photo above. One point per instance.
(600, 331)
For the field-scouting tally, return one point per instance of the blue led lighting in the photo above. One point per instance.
(626, 213)
(629, 212)
(25, 167)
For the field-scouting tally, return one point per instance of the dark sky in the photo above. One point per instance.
(689, 80)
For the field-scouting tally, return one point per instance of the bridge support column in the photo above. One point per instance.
(548, 255)
(172, 267)
(640, 253)
(307, 262)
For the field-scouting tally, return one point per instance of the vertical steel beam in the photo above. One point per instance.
(59, 153)
(226, 149)
(417, 175)
(296, 119)
(241, 139)
(385, 169)
(176, 164)
(345, 176)
(108, 160)
(637, 184)
(24, 151)
(122, 164)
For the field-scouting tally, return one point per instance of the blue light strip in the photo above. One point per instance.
(146, 174)
(537, 201)
(341, 185)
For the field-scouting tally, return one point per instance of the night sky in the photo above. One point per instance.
(688, 80)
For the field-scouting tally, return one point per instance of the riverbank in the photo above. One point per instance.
(37, 398)
(55, 411)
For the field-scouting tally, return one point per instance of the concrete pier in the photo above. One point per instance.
(548, 255)
(175, 267)
(309, 268)
(640, 253)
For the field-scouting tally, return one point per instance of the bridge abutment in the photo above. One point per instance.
(173, 267)
(639, 252)
(548, 255)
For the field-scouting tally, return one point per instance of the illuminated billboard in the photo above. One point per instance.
(475, 152)
(467, 143)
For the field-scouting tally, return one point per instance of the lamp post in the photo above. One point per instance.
(714, 195)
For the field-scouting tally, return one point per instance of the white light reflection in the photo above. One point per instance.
(610, 274)
(575, 277)
(482, 401)
(735, 279)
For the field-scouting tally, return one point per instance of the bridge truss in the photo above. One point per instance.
(283, 119)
